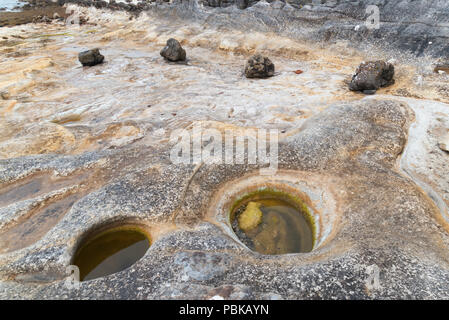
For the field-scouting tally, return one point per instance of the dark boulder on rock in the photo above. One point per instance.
(90, 57)
(370, 76)
(173, 51)
(259, 66)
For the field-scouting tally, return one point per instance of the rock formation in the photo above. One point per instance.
(402, 23)
(173, 51)
(81, 149)
(259, 66)
(370, 76)
(90, 57)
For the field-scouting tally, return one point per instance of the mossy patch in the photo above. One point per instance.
(251, 217)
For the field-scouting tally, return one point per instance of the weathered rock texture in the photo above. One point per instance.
(418, 27)
(385, 221)
(90, 57)
(259, 66)
(372, 75)
(112, 168)
(173, 51)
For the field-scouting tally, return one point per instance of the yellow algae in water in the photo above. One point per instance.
(285, 226)
(251, 217)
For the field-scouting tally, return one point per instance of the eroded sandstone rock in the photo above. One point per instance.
(173, 51)
(350, 148)
(372, 75)
(259, 66)
(91, 57)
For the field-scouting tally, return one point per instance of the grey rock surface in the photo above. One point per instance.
(388, 238)
(418, 27)
(385, 222)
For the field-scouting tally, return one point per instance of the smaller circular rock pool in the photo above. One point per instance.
(272, 222)
(110, 251)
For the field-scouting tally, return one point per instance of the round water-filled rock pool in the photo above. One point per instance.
(272, 223)
(111, 251)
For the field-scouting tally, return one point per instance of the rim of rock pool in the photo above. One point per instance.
(133, 237)
(298, 189)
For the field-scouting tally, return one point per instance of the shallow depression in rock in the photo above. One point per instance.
(111, 251)
(272, 224)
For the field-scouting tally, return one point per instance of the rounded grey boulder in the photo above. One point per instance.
(259, 66)
(90, 57)
(371, 76)
(173, 51)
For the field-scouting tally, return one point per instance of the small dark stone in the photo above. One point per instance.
(173, 51)
(259, 66)
(372, 75)
(241, 4)
(101, 4)
(369, 91)
(214, 3)
(90, 57)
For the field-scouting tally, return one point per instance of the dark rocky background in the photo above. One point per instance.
(419, 27)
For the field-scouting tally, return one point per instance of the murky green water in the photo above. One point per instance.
(111, 251)
(283, 228)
